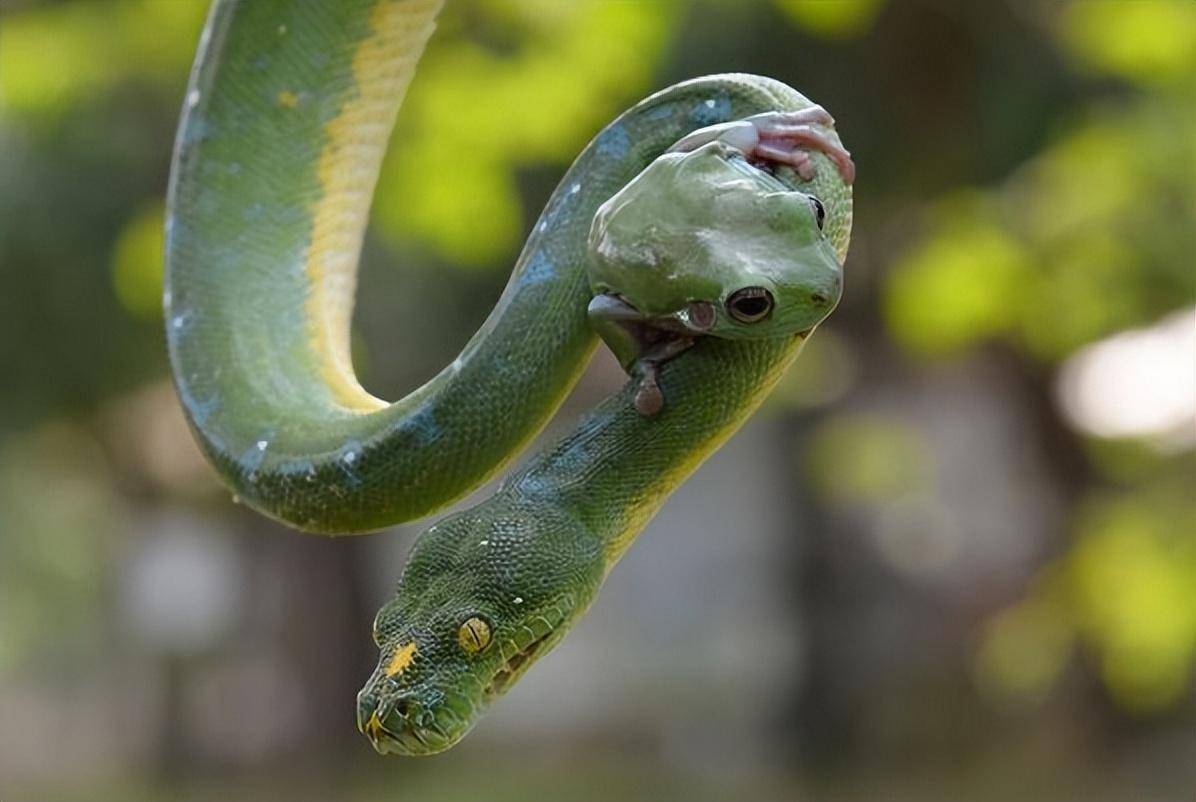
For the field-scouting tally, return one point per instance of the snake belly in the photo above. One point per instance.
(288, 112)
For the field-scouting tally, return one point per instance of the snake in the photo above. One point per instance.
(700, 235)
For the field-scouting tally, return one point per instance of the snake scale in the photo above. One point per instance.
(286, 118)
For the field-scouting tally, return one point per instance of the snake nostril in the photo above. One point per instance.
(402, 708)
(366, 705)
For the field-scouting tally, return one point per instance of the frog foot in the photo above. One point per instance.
(788, 138)
(778, 137)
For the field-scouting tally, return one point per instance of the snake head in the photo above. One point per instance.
(482, 598)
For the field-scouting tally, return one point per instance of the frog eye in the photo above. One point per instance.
(750, 305)
(474, 634)
(819, 211)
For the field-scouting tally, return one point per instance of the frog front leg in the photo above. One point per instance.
(778, 137)
(642, 343)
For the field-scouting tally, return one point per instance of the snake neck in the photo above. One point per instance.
(615, 470)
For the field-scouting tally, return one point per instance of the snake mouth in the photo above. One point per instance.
(514, 666)
(395, 734)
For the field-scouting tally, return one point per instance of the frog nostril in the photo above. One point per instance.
(818, 298)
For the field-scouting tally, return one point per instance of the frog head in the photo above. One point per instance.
(707, 243)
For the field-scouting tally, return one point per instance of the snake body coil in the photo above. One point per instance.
(287, 116)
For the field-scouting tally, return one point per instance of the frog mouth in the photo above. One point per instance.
(642, 342)
(653, 337)
(695, 318)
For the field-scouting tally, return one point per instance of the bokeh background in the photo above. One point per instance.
(953, 558)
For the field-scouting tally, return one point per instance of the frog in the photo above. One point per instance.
(716, 238)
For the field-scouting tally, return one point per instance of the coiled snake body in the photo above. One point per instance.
(287, 115)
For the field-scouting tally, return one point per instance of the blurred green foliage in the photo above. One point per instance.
(868, 459)
(1067, 250)
(51, 576)
(1088, 238)
(1024, 651)
(964, 283)
(845, 19)
(60, 54)
(137, 262)
(554, 73)
(1145, 41)
(1127, 588)
(1144, 546)
(1028, 186)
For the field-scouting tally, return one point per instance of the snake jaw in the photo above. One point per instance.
(396, 727)
(372, 728)
(514, 666)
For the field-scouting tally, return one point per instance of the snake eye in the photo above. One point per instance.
(819, 211)
(474, 634)
(750, 305)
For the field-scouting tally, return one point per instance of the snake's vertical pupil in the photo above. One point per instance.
(819, 211)
(474, 634)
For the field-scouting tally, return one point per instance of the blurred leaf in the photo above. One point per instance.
(1081, 296)
(832, 19)
(475, 117)
(1075, 246)
(1127, 589)
(1061, 194)
(137, 262)
(1132, 574)
(1024, 650)
(962, 284)
(52, 55)
(1143, 40)
(55, 508)
(825, 373)
(867, 458)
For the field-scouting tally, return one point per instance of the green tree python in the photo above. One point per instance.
(701, 234)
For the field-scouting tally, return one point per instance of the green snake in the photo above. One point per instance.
(701, 234)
